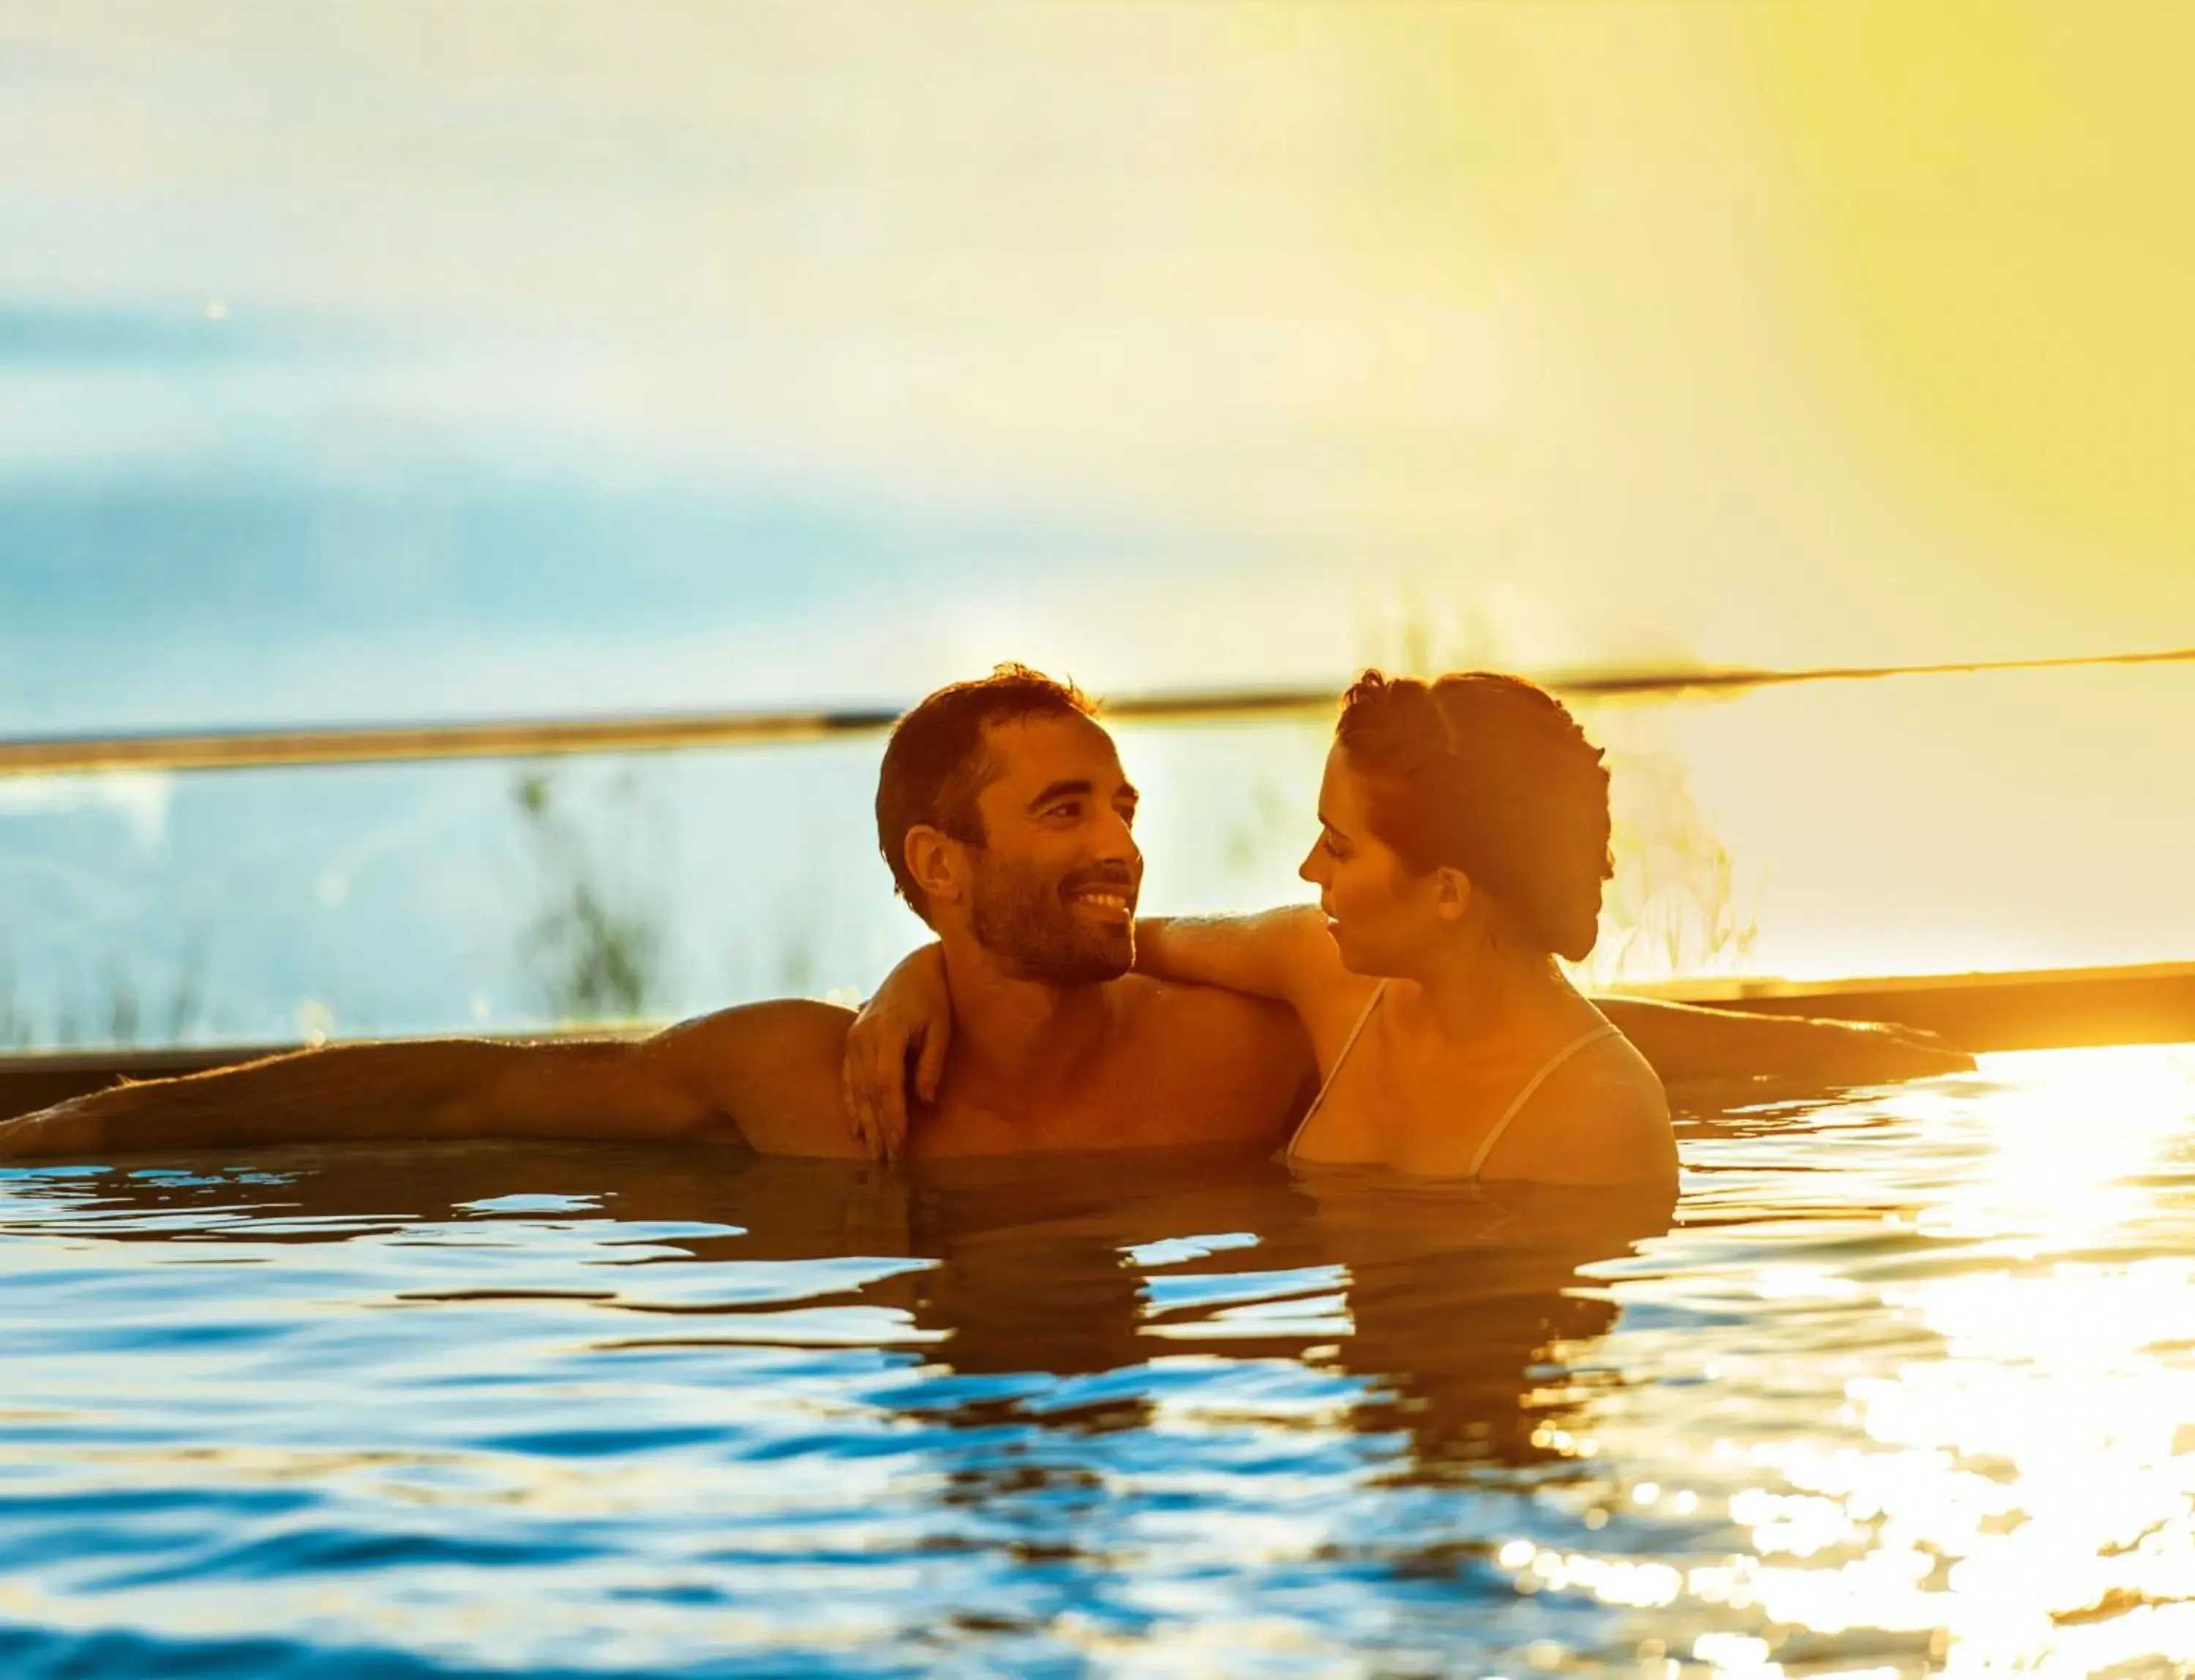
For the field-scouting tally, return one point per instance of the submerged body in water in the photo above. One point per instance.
(1903, 1382)
(1013, 1266)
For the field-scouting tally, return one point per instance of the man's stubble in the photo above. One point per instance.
(1023, 918)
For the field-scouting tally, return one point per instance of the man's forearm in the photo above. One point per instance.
(1686, 1043)
(439, 1088)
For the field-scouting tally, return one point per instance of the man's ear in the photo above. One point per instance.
(1451, 893)
(935, 859)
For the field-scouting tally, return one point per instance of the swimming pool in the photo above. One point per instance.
(1905, 1382)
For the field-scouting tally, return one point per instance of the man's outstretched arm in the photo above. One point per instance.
(1689, 1045)
(766, 1071)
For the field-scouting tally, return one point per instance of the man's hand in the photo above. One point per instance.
(911, 1011)
(1874, 1052)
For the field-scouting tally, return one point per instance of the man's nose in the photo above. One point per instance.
(1307, 869)
(1115, 842)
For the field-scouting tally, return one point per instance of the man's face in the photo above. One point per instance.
(1052, 893)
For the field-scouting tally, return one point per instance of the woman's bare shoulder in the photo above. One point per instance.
(1602, 1118)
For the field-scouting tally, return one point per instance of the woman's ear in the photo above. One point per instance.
(934, 859)
(1451, 893)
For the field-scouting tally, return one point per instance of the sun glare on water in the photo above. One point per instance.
(1968, 1438)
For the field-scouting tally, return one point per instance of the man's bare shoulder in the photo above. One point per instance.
(1177, 1009)
(771, 1068)
(798, 1026)
(1215, 1053)
(1202, 1064)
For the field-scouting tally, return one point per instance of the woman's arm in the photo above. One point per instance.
(909, 1015)
(766, 1068)
(1284, 953)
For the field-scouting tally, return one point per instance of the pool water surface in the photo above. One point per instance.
(1903, 1382)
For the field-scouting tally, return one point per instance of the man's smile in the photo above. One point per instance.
(1104, 900)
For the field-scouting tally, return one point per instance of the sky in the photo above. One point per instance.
(431, 359)
(411, 359)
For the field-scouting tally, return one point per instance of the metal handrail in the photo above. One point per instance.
(395, 743)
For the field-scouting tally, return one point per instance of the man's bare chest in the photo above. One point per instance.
(1148, 1102)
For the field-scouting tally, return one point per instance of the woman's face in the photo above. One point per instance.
(1383, 917)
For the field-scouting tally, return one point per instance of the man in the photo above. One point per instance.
(1003, 811)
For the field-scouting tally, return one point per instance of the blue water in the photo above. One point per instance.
(1902, 1382)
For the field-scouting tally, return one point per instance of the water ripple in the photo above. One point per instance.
(1904, 1383)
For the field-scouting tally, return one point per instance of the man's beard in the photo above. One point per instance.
(1025, 921)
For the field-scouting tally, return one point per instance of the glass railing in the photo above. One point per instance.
(1921, 823)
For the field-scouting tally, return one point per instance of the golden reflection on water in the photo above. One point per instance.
(1983, 1457)
(2068, 1368)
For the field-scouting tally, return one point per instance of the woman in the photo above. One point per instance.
(1463, 842)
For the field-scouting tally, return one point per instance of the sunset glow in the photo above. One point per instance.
(1724, 332)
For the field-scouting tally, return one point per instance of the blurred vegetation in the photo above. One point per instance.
(592, 950)
(1675, 906)
(110, 1011)
(1407, 630)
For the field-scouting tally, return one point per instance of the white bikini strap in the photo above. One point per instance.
(1486, 1146)
(1347, 1045)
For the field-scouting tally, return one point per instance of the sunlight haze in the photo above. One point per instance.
(1639, 335)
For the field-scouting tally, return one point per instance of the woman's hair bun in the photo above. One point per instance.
(1489, 774)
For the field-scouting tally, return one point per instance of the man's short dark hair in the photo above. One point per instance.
(936, 766)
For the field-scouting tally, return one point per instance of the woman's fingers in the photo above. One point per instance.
(891, 1120)
(876, 1096)
(884, 1056)
(930, 1066)
(891, 1095)
(854, 1081)
(875, 1057)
